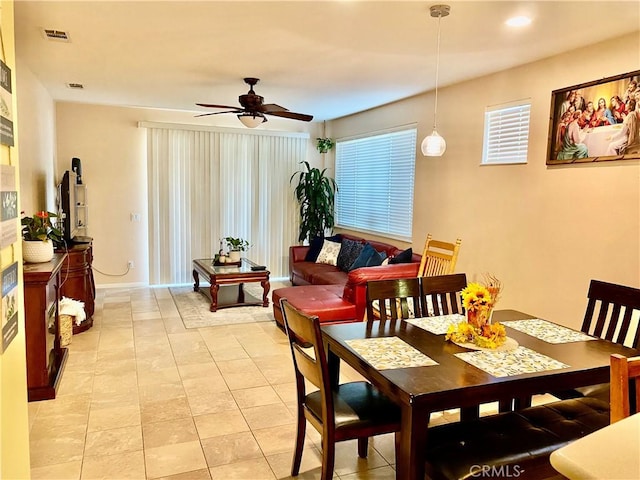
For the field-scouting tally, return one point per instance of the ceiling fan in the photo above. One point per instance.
(252, 111)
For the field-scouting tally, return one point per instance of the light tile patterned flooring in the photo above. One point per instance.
(142, 397)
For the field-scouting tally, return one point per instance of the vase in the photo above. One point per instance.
(234, 256)
(37, 251)
(479, 317)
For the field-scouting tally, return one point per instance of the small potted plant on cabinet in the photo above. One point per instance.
(38, 237)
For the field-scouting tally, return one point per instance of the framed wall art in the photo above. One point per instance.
(596, 121)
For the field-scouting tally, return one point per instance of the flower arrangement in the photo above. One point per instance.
(39, 227)
(478, 300)
(236, 244)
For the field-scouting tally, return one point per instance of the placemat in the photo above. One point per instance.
(547, 331)
(389, 352)
(437, 325)
(515, 362)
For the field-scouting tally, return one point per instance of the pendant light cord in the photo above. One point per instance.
(435, 109)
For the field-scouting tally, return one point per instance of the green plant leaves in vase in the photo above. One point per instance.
(324, 144)
(315, 193)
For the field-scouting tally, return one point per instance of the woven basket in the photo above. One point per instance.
(66, 330)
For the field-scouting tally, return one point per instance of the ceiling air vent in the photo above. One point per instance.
(76, 86)
(57, 35)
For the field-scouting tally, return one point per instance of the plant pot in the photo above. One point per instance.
(234, 256)
(37, 251)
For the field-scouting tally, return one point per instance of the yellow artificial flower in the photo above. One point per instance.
(475, 296)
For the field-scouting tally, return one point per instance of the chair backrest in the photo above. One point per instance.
(309, 357)
(625, 386)
(438, 258)
(618, 316)
(393, 299)
(441, 295)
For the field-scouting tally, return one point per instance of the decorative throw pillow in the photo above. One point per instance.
(329, 253)
(402, 257)
(316, 245)
(348, 253)
(368, 257)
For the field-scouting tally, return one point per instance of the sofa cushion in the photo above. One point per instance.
(368, 257)
(329, 253)
(325, 301)
(403, 257)
(349, 251)
(316, 245)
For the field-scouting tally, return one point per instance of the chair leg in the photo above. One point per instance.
(328, 457)
(297, 453)
(363, 447)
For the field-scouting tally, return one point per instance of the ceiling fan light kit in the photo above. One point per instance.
(252, 110)
(251, 120)
(434, 145)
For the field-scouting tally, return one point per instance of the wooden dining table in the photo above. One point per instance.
(453, 382)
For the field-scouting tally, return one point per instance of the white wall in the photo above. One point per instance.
(37, 135)
(113, 153)
(544, 231)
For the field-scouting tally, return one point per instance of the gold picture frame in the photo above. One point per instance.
(595, 121)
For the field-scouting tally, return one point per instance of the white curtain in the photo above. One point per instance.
(206, 185)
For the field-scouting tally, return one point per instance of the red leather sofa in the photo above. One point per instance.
(331, 294)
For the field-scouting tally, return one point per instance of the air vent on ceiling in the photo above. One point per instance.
(57, 35)
(76, 86)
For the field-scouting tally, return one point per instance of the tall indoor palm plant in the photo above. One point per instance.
(315, 193)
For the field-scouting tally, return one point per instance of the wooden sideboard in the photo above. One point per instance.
(45, 356)
(78, 283)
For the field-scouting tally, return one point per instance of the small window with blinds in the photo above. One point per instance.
(506, 133)
(375, 177)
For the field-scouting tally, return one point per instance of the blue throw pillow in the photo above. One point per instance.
(368, 257)
(403, 257)
(349, 251)
(315, 245)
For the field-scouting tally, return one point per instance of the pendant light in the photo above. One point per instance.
(434, 145)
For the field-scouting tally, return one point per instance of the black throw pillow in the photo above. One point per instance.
(349, 251)
(316, 245)
(402, 257)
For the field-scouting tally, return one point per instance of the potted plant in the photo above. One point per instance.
(235, 246)
(38, 236)
(324, 144)
(315, 193)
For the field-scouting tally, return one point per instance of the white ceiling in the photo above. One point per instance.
(324, 58)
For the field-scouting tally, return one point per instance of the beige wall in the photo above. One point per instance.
(38, 179)
(544, 231)
(113, 153)
(14, 421)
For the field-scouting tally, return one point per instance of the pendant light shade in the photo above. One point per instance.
(251, 120)
(434, 145)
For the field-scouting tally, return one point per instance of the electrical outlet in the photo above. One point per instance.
(130, 264)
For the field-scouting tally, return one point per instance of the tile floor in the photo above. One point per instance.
(142, 397)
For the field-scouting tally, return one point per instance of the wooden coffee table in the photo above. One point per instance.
(231, 275)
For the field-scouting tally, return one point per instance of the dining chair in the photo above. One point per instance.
(354, 410)
(625, 386)
(441, 295)
(438, 257)
(613, 313)
(392, 299)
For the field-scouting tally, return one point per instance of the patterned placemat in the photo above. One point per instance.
(516, 362)
(436, 325)
(547, 331)
(389, 352)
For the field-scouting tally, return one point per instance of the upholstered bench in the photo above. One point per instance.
(325, 301)
(512, 444)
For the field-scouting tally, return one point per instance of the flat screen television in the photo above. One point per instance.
(68, 203)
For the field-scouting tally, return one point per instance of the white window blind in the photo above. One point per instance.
(506, 133)
(375, 177)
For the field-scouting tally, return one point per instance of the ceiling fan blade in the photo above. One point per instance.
(272, 107)
(212, 105)
(292, 115)
(218, 113)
